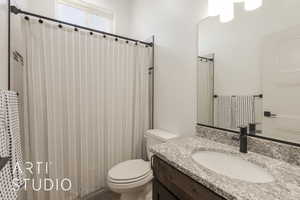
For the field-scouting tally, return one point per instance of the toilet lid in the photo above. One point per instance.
(131, 169)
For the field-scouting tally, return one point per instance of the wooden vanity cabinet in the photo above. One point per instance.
(171, 184)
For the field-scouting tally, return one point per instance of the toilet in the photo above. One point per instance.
(132, 178)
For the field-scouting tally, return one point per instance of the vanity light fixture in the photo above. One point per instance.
(222, 8)
(227, 11)
(253, 4)
(214, 8)
(225, 8)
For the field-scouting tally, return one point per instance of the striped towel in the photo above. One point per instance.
(10, 134)
(222, 116)
(244, 110)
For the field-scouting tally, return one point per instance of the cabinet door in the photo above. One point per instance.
(180, 185)
(155, 189)
(161, 193)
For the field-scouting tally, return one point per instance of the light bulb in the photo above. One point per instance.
(227, 11)
(214, 7)
(253, 4)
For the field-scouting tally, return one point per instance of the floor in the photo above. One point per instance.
(106, 195)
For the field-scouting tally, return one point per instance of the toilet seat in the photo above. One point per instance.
(128, 181)
(130, 187)
(131, 171)
(133, 179)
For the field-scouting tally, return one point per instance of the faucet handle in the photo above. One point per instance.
(235, 138)
(243, 130)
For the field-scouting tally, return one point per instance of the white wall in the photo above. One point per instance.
(175, 25)
(237, 44)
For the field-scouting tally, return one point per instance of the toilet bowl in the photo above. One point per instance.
(133, 178)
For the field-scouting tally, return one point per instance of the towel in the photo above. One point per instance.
(244, 110)
(10, 138)
(7, 191)
(3, 139)
(222, 116)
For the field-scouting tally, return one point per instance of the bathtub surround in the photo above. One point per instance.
(178, 153)
(280, 151)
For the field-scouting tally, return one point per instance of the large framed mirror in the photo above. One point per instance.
(249, 71)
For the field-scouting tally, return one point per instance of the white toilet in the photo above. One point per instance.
(132, 178)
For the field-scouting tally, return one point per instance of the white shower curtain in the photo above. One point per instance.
(86, 104)
(205, 87)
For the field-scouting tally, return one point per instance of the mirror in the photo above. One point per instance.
(249, 71)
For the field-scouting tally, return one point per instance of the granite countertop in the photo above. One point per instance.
(286, 186)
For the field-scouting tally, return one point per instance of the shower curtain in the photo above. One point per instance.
(205, 93)
(85, 105)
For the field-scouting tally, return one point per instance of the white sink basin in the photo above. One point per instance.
(232, 166)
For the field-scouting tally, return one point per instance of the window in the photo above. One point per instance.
(84, 14)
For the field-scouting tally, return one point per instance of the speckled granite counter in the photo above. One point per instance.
(178, 153)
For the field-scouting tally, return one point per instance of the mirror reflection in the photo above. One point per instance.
(249, 71)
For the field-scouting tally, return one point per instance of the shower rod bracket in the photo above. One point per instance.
(15, 10)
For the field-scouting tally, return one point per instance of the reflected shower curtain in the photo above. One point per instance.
(205, 92)
(86, 105)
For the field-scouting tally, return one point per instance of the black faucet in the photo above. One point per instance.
(243, 140)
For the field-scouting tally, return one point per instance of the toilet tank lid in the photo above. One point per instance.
(160, 134)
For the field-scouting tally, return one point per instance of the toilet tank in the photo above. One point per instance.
(156, 136)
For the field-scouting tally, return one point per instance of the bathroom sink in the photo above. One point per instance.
(232, 166)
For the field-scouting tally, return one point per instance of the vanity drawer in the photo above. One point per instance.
(181, 185)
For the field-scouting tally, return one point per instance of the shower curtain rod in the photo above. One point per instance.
(16, 11)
